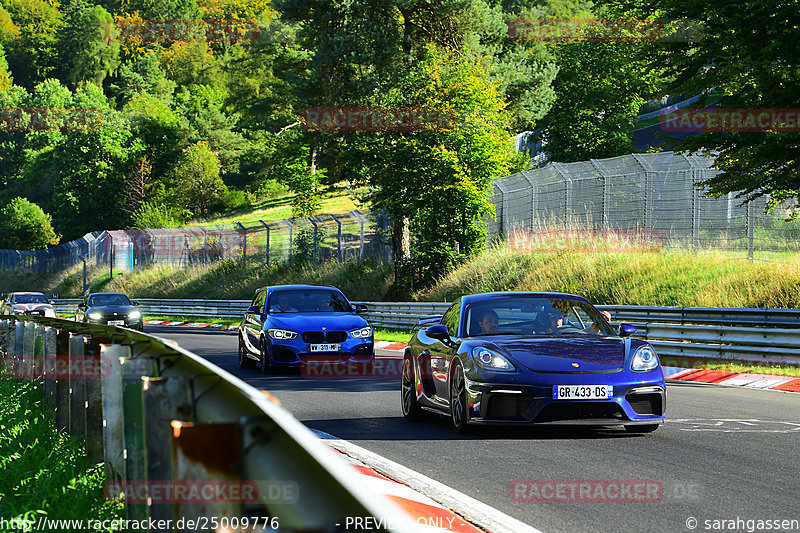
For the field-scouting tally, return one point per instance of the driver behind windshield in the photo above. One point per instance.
(488, 322)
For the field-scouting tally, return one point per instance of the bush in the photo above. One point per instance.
(24, 226)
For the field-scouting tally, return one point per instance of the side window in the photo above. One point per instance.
(451, 318)
(260, 299)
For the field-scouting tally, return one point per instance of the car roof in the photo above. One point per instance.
(281, 288)
(24, 292)
(96, 293)
(482, 297)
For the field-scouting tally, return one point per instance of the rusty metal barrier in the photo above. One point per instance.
(180, 438)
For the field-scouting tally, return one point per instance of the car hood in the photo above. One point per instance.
(316, 321)
(31, 307)
(551, 354)
(112, 309)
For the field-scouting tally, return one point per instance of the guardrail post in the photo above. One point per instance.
(62, 370)
(92, 374)
(28, 340)
(133, 370)
(38, 361)
(196, 461)
(113, 414)
(50, 367)
(165, 400)
(77, 388)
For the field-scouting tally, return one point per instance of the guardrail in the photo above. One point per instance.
(758, 335)
(161, 418)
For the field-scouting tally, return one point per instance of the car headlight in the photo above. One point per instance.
(134, 314)
(282, 334)
(17, 311)
(96, 316)
(362, 333)
(645, 359)
(491, 360)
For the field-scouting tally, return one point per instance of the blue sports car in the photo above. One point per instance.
(294, 325)
(531, 358)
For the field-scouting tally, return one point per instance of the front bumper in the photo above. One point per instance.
(633, 402)
(293, 353)
(131, 323)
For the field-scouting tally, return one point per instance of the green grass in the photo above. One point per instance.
(44, 472)
(392, 335)
(732, 366)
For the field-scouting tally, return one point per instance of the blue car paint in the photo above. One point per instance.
(308, 322)
(540, 363)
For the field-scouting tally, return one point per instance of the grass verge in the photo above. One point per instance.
(44, 472)
(744, 367)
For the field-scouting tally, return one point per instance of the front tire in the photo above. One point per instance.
(265, 366)
(408, 392)
(245, 363)
(459, 407)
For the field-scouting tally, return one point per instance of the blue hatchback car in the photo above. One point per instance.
(295, 325)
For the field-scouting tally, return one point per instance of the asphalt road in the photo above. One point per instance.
(724, 453)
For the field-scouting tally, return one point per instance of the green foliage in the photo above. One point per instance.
(24, 226)
(31, 31)
(142, 75)
(748, 52)
(198, 185)
(152, 214)
(88, 43)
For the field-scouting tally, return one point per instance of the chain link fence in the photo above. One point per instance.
(646, 199)
(354, 236)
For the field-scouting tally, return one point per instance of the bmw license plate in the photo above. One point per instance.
(116, 322)
(324, 347)
(582, 392)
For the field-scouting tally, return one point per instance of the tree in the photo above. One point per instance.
(198, 185)
(89, 48)
(748, 52)
(24, 226)
(32, 49)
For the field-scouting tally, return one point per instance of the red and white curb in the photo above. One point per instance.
(429, 505)
(391, 346)
(733, 379)
(188, 324)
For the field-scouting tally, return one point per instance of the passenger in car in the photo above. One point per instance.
(488, 323)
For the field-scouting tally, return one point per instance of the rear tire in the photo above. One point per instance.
(649, 428)
(459, 407)
(408, 392)
(245, 363)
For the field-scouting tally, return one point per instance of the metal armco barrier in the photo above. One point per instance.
(767, 335)
(162, 418)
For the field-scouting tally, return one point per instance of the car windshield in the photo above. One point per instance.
(29, 299)
(308, 301)
(102, 300)
(535, 316)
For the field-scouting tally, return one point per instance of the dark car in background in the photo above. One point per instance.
(27, 303)
(112, 308)
(520, 358)
(295, 325)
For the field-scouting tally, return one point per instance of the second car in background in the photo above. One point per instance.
(27, 303)
(112, 308)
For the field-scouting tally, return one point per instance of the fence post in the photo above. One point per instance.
(244, 242)
(291, 238)
(92, 369)
(695, 217)
(63, 341)
(266, 228)
(77, 390)
(133, 370)
(361, 243)
(50, 368)
(750, 230)
(314, 256)
(113, 413)
(338, 237)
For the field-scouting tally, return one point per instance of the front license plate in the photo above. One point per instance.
(582, 392)
(116, 322)
(324, 347)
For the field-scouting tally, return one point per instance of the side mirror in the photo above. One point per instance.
(626, 330)
(438, 332)
(81, 306)
(134, 302)
(359, 308)
(256, 309)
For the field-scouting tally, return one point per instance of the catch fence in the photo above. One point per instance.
(649, 200)
(354, 236)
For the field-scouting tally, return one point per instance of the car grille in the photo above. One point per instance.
(336, 336)
(363, 351)
(646, 404)
(313, 337)
(554, 412)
